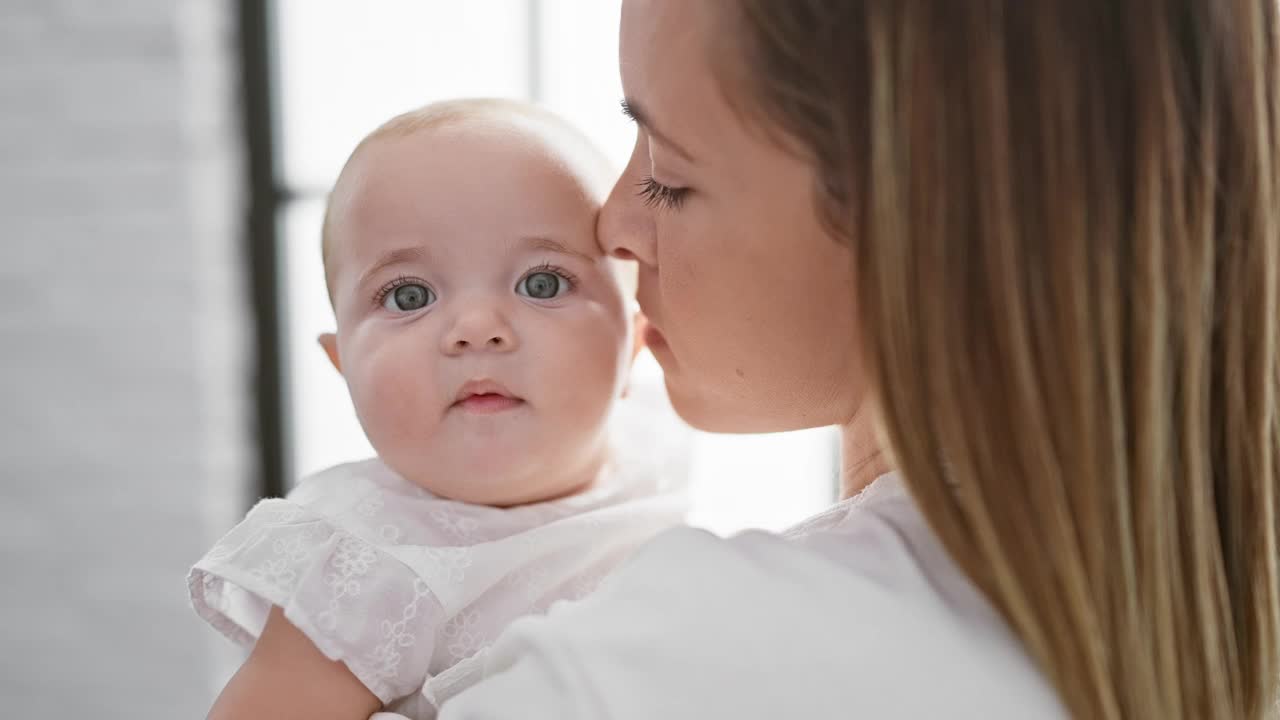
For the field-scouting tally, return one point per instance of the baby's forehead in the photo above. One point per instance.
(503, 137)
(465, 183)
(507, 163)
(461, 171)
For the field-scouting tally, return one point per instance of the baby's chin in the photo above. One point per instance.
(521, 471)
(496, 478)
(495, 493)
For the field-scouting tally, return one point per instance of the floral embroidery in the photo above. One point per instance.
(371, 505)
(288, 553)
(450, 564)
(456, 525)
(384, 660)
(463, 633)
(277, 573)
(352, 560)
(385, 573)
(292, 548)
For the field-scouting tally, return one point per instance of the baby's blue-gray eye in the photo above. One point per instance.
(408, 297)
(542, 285)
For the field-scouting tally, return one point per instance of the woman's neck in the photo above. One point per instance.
(862, 459)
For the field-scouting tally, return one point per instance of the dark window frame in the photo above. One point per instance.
(258, 85)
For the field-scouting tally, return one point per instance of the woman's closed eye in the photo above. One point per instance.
(546, 282)
(405, 295)
(657, 195)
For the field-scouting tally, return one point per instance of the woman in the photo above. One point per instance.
(1034, 244)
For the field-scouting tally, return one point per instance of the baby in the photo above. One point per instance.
(484, 339)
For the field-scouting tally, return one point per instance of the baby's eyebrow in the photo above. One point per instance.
(555, 246)
(393, 257)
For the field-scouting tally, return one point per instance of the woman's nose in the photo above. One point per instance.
(625, 228)
(480, 328)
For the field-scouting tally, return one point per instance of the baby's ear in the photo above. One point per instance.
(329, 342)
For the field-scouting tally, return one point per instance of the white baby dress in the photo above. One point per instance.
(402, 585)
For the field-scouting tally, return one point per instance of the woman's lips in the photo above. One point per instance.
(653, 337)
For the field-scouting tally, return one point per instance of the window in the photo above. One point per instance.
(339, 70)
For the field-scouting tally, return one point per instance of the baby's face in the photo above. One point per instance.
(482, 334)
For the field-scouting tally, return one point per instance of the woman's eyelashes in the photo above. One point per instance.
(657, 195)
(544, 282)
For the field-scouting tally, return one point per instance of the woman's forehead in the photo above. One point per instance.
(665, 61)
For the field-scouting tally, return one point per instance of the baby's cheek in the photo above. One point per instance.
(594, 367)
(395, 400)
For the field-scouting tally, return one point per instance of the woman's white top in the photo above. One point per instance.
(400, 584)
(856, 613)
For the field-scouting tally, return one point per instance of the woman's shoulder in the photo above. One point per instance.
(875, 547)
(864, 596)
(850, 615)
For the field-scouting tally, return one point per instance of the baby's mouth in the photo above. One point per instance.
(488, 404)
(486, 397)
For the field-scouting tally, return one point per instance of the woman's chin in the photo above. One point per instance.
(696, 409)
(734, 413)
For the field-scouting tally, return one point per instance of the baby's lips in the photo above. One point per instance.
(483, 386)
(488, 404)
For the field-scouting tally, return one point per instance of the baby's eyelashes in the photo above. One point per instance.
(405, 295)
(546, 282)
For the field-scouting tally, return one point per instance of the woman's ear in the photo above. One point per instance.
(329, 342)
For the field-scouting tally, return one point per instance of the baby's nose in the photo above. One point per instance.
(480, 330)
(496, 342)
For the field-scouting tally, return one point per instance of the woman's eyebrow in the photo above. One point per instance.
(641, 117)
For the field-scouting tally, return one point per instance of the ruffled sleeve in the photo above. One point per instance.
(335, 583)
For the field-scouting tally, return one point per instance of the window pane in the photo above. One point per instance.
(345, 67)
(322, 426)
(578, 51)
(762, 481)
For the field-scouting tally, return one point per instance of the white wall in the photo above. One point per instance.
(123, 343)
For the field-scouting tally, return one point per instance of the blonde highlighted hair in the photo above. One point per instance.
(1064, 221)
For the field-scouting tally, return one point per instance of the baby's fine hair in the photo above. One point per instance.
(570, 144)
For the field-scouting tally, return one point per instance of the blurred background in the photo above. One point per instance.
(163, 169)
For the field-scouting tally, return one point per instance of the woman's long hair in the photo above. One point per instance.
(1064, 218)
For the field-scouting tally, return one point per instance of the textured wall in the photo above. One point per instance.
(124, 381)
